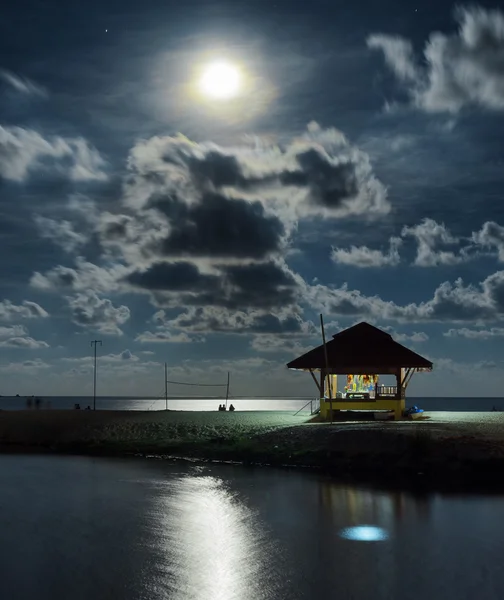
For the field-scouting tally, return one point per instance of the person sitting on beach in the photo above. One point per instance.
(231, 408)
(220, 407)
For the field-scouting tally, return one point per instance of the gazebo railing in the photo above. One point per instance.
(387, 390)
(314, 406)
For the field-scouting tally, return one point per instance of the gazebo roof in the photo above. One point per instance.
(362, 348)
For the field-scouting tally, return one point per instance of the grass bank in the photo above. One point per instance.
(442, 451)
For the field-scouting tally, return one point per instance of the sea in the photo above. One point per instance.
(247, 403)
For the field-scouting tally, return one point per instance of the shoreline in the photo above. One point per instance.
(430, 455)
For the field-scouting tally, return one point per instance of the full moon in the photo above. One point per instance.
(220, 80)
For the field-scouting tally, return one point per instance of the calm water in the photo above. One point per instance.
(83, 528)
(241, 403)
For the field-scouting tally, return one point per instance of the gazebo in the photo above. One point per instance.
(362, 353)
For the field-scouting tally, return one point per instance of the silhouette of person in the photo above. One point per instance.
(231, 408)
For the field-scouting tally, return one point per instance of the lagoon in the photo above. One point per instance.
(83, 527)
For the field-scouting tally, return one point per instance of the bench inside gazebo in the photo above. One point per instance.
(361, 353)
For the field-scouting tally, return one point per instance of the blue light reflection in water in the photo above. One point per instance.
(364, 533)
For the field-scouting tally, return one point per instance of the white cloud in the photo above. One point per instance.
(491, 235)
(279, 345)
(25, 310)
(27, 367)
(454, 302)
(165, 336)
(22, 85)
(462, 69)
(429, 235)
(24, 151)
(26, 343)
(364, 257)
(60, 232)
(476, 334)
(92, 312)
(16, 336)
(84, 277)
(126, 356)
(417, 337)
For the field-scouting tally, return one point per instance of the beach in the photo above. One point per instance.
(442, 448)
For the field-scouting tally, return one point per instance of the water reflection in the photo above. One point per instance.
(372, 506)
(217, 549)
(364, 533)
(150, 530)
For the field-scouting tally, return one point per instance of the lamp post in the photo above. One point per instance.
(95, 343)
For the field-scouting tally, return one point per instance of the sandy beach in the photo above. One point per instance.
(444, 447)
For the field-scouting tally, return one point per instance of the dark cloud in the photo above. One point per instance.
(220, 227)
(462, 69)
(174, 277)
(331, 183)
(220, 320)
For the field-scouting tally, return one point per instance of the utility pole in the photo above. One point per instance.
(227, 390)
(327, 376)
(166, 385)
(95, 343)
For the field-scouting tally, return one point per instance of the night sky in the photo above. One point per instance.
(355, 170)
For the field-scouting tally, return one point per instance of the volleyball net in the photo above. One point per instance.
(178, 389)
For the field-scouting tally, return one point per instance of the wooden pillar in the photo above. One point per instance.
(400, 404)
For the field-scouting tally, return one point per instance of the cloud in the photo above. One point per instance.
(255, 285)
(450, 302)
(210, 319)
(24, 151)
(85, 276)
(16, 336)
(92, 312)
(428, 235)
(26, 310)
(318, 173)
(60, 232)
(364, 257)
(164, 336)
(27, 367)
(417, 337)
(476, 334)
(185, 200)
(207, 226)
(462, 69)
(124, 356)
(22, 85)
(279, 345)
(26, 343)
(491, 235)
